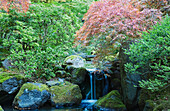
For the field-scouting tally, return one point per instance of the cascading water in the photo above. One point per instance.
(89, 103)
(106, 85)
(95, 79)
(92, 84)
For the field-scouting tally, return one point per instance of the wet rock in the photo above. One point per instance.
(78, 75)
(111, 101)
(129, 92)
(9, 86)
(65, 95)
(149, 105)
(53, 83)
(75, 61)
(31, 96)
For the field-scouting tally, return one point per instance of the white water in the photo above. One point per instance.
(92, 83)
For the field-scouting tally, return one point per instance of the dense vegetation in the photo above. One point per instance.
(150, 57)
(38, 36)
(41, 38)
(109, 23)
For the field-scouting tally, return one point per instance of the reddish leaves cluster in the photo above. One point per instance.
(117, 18)
(156, 4)
(21, 5)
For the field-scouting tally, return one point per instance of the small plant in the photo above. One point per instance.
(150, 57)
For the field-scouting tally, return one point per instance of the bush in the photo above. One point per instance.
(108, 22)
(150, 57)
(40, 38)
(21, 5)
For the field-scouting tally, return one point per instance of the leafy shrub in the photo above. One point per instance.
(19, 5)
(108, 22)
(150, 56)
(40, 38)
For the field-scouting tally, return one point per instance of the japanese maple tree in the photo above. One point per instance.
(108, 22)
(21, 5)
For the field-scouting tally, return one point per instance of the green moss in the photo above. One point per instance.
(157, 99)
(30, 87)
(150, 103)
(1, 109)
(66, 93)
(162, 105)
(111, 100)
(80, 71)
(5, 75)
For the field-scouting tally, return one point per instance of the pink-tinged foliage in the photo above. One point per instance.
(120, 15)
(20, 5)
(111, 21)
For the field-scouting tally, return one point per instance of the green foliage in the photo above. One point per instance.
(150, 56)
(40, 38)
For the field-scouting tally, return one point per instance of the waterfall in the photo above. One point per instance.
(92, 84)
(106, 85)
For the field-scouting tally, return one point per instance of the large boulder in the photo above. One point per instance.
(9, 86)
(65, 95)
(111, 101)
(75, 61)
(129, 92)
(31, 96)
(78, 75)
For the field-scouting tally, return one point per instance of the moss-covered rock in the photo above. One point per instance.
(75, 61)
(163, 106)
(65, 95)
(149, 105)
(1, 109)
(9, 85)
(31, 96)
(78, 75)
(6, 75)
(112, 101)
(154, 101)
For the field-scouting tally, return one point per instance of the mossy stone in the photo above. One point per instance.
(72, 57)
(75, 61)
(157, 101)
(112, 101)
(31, 86)
(149, 105)
(163, 106)
(78, 75)
(66, 94)
(1, 109)
(5, 76)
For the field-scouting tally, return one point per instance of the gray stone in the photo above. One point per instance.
(31, 96)
(33, 99)
(75, 60)
(78, 75)
(130, 93)
(53, 83)
(10, 86)
(7, 64)
(65, 95)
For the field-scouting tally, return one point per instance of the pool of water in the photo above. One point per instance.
(86, 105)
(44, 108)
